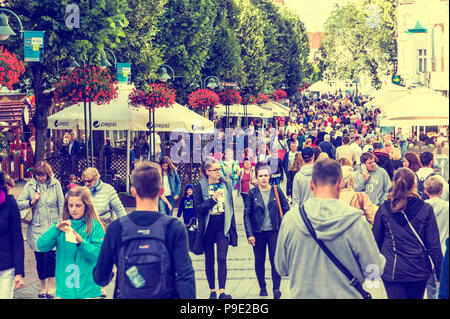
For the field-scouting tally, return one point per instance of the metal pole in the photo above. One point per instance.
(91, 141)
(86, 136)
(154, 136)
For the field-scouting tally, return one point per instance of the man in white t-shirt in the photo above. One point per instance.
(356, 145)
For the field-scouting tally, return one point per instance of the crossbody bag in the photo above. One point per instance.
(353, 280)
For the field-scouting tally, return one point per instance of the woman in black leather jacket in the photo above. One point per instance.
(262, 219)
(408, 256)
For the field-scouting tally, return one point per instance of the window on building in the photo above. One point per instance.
(422, 60)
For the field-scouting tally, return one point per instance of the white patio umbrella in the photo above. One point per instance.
(320, 86)
(422, 107)
(387, 95)
(238, 110)
(275, 108)
(118, 115)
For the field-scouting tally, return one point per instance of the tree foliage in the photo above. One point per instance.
(359, 40)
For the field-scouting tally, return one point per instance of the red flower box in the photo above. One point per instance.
(203, 98)
(230, 97)
(279, 94)
(10, 68)
(249, 100)
(88, 84)
(262, 98)
(153, 96)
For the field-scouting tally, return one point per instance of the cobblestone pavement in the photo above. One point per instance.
(241, 277)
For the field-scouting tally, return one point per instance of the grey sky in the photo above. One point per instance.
(313, 13)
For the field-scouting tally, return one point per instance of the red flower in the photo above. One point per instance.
(230, 97)
(153, 96)
(203, 98)
(279, 94)
(262, 98)
(10, 68)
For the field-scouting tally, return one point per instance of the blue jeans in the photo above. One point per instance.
(166, 208)
(275, 181)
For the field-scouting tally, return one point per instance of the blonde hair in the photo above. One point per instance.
(433, 185)
(91, 171)
(322, 156)
(395, 154)
(89, 210)
(347, 176)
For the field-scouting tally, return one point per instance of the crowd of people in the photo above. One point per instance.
(354, 197)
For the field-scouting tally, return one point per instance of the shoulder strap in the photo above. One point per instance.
(418, 237)
(353, 280)
(275, 189)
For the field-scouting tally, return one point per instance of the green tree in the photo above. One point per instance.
(184, 35)
(139, 46)
(224, 56)
(359, 40)
(250, 33)
(101, 25)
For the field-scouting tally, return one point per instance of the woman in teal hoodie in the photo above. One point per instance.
(78, 237)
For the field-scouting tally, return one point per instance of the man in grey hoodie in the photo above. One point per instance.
(300, 186)
(372, 180)
(343, 230)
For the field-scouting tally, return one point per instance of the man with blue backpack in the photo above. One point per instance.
(150, 249)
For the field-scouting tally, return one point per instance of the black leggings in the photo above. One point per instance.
(405, 290)
(214, 234)
(290, 179)
(263, 240)
(45, 264)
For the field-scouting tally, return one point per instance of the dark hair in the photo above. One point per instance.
(344, 161)
(146, 179)
(166, 160)
(317, 150)
(261, 166)
(366, 156)
(376, 146)
(42, 168)
(207, 163)
(326, 172)
(345, 139)
(413, 160)
(426, 158)
(3, 183)
(403, 187)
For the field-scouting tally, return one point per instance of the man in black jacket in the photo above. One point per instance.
(146, 180)
(264, 207)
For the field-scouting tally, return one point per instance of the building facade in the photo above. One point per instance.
(423, 43)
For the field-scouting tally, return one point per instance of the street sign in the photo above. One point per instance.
(123, 72)
(33, 46)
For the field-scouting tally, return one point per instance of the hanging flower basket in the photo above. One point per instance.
(88, 84)
(249, 100)
(230, 97)
(262, 98)
(10, 69)
(153, 96)
(203, 98)
(279, 94)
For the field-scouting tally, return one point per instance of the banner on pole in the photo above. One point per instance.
(123, 72)
(33, 46)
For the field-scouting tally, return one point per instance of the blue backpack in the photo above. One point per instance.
(144, 264)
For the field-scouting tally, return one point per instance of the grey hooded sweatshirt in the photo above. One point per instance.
(376, 187)
(300, 186)
(440, 208)
(344, 230)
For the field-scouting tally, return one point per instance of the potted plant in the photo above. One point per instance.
(279, 94)
(10, 68)
(230, 97)
(262, 98)
(204, 99)
(87, 84)
(152, 96)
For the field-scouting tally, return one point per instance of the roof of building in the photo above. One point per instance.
(314, 39)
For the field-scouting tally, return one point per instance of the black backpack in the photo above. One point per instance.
(421, 186)
(144, 264)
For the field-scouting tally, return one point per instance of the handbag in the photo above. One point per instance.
(27, 215)
(194, 236)
(353, 280)
(275, 189)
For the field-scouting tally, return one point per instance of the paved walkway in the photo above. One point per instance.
(241, 278)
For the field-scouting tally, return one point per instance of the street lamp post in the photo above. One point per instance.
(5, 29)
